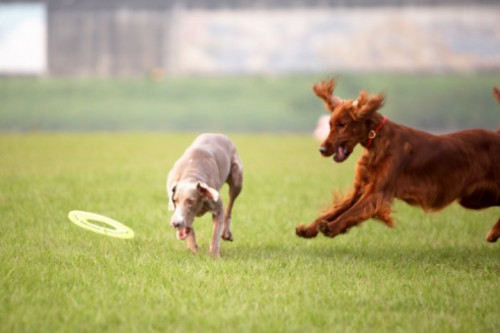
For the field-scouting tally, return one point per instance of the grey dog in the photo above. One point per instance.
(193, 187)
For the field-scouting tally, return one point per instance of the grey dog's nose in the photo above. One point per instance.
(175, 224)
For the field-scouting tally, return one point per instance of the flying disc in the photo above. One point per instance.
(85, 219)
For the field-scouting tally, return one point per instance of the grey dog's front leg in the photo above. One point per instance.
(191, 241)
(218, 223)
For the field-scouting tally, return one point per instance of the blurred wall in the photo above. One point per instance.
(107, 41)
(161, 38)
(410, 39)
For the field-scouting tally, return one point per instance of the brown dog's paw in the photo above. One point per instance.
(492, 236)
(330, 229)
(305, 232)
(324, 228)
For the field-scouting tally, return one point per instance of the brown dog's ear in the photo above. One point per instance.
(366, 106)
(324, 90)
(207, 191)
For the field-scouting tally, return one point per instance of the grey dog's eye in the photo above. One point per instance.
(189, 202)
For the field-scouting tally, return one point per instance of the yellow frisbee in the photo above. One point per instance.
(116, 229)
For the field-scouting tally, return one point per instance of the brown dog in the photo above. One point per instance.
(400, 162)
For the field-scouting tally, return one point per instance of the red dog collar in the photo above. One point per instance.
(373, 133)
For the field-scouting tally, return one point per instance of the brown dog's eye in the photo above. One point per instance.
(340, 125)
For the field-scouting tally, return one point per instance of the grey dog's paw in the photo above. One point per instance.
(228, 236)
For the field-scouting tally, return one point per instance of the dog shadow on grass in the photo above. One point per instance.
(394, 255)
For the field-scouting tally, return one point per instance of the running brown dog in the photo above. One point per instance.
(400, 162)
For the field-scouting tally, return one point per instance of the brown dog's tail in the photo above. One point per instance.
(496, 93)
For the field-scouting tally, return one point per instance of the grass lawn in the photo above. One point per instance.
(433, 273)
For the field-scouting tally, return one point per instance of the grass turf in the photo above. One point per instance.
(433, 273)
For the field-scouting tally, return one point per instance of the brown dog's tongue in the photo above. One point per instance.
(340, 152)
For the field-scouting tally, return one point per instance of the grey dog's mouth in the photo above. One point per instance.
(183, 233)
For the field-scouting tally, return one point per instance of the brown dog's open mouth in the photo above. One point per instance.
(183, 233)
(341, 154)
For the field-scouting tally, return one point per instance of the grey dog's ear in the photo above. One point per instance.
(171, 193)
(207, 191)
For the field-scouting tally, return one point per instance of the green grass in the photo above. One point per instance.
(249, 103)
(433, 273)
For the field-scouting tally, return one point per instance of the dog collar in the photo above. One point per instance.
(373, 133)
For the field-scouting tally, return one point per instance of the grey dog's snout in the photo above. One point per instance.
(176, 221)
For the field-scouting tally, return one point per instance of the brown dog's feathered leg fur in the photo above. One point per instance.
(369, 205)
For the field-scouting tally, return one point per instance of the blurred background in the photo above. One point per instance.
(222, 65)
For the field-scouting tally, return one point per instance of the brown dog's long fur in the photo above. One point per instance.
(400, 162)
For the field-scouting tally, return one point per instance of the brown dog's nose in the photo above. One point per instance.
(322, 150)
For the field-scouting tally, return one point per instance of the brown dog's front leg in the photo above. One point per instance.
(368, 206)
(312, 229)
